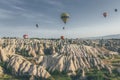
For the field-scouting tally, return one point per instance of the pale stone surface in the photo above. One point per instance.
(73, 58)
(21, 66)
(52, 55)
(1, 71)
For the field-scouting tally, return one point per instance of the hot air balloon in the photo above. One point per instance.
(65, 17)
(25, 36)
(62, 37)
(105, 14)
(116, 10)
(63, 28)
(37, 25)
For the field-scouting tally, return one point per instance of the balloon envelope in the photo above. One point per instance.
(62, 37)
(105, 14)
(63, 28)
(65, 17)
(37, 25)
(116, 10)
(25, 36)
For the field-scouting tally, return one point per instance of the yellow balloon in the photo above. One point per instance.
(65, 17)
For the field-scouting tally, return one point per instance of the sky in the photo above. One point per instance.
(19, 17)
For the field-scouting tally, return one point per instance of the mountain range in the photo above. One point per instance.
(114, 36)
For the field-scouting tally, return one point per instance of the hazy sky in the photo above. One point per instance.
(18, 17)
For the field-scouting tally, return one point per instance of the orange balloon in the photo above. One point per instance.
(25, 36)
(62, 37)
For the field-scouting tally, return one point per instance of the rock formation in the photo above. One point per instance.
(20, 66)
(72, 58)
(1, 71)
(32, 57)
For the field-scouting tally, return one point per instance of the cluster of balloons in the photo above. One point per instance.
(65, 17)
(105, 14)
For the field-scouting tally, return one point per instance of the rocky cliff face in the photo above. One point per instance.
(33, 57)
(20, 66)
(72, 58)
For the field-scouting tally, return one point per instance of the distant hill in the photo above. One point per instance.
(115, 36)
